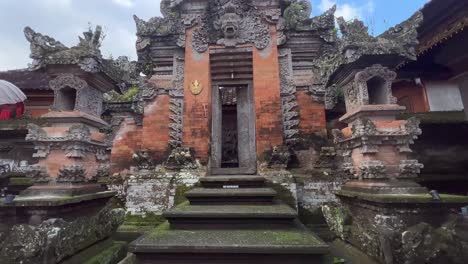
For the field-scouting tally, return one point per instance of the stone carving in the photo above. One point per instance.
(372, 169)
(79, 132)
(411, 127)
(410, 168)
(71, 174)
(176, 125)
(338, 219)
(86, 54)
(326, 158)
(280, 157)
(41, 45)
(4, 168)
(363, 127)
(56, 239)
(88, 99)
(143, 159)
(75, 144)
(331, 97)
(290, 119)
(288, 98)
(297, 13)
(35, 132)
(361, 78)
(239, 23)
(393, 47)
(423, 243)
(181, 158)
(102, 154)
(338, 136)
(102, 173)
(75, 150)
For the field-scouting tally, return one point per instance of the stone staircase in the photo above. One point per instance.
(230, 219)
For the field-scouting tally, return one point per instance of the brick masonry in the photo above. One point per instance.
(312, 115)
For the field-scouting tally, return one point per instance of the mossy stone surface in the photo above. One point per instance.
(104, 252)
(164, 239)
(20, 181)
(405, 198)
(261, 211)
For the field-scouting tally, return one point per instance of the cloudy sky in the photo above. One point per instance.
(64, 20)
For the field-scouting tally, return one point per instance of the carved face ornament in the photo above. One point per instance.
(230, 25)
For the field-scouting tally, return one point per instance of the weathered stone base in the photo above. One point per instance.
(378, 221)
(157, 191)
(61, 227)
(234, 258)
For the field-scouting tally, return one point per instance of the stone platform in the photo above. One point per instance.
(52, 229)
(230, 219)
(380, 220)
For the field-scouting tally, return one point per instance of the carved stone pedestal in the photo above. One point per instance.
(379, 221)
(51, 229)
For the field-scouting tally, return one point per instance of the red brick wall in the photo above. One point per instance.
(126, 142)
(155, 134)
(311, 115)
(266, 85)
(197, 108)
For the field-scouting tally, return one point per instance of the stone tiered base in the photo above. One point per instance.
(230, 219)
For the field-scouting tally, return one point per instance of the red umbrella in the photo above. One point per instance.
(11, 100)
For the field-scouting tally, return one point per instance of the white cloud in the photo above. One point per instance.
(125, 3)
(65, 20)
(348, 10)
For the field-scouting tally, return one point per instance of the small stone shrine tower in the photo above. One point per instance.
(72, 150)
(375, 146)
(381, 200)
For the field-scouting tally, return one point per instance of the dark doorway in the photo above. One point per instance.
(233, 138)
(230, 154)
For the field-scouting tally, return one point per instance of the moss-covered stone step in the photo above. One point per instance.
(104, 252)
(294, 245)
(186, 216)
(240, 181)
(210, 196)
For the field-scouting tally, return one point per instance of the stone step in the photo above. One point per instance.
(210, 196)
(294, 245)
(230, 181)
(186, 216)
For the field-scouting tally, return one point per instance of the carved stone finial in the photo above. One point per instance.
(72, 174)
(42, 44)
(181, 158)
(143, 159)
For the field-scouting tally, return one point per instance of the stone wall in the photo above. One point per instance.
(155, 192)
(155, 130)
(311, 114)
(127, 140)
